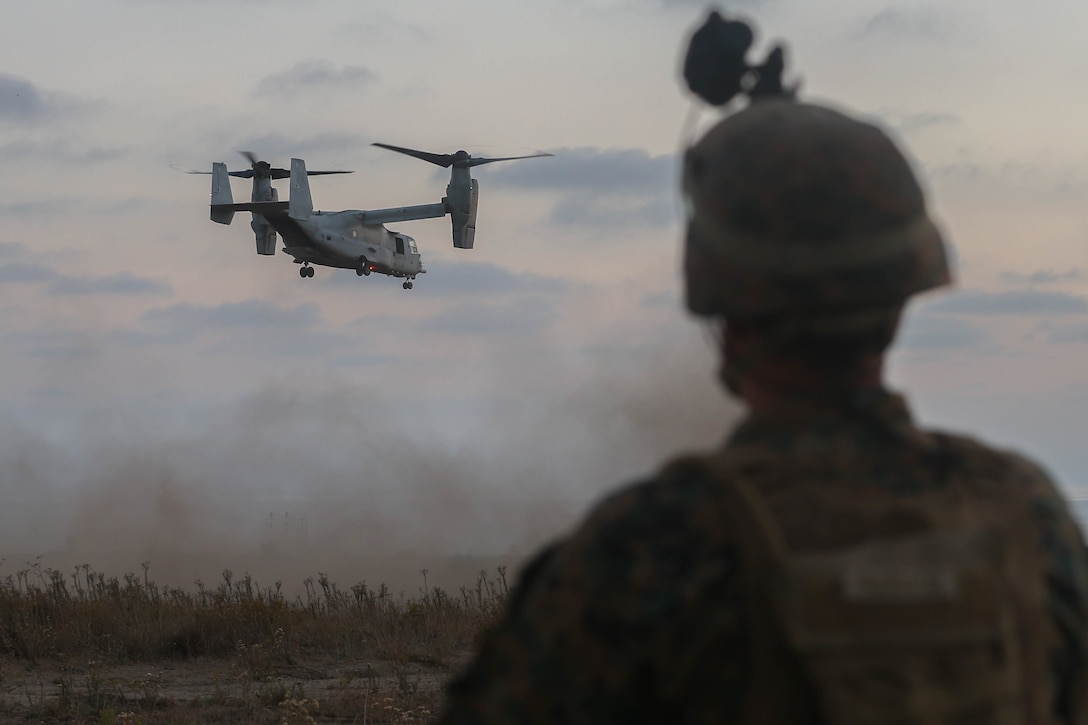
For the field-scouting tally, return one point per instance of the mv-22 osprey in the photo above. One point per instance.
(352, 239)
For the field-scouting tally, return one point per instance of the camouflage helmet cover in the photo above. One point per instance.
(797, 208)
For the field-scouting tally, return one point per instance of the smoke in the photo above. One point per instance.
(342, 478)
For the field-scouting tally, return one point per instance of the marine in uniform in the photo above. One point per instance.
(832, 562)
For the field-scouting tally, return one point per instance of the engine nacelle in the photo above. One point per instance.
(221, 195)
(264, 234)
(463, 199)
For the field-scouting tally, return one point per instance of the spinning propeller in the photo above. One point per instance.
(263, 170)
(459, 160)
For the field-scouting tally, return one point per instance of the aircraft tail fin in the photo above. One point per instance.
(300, 205)
(221, 196)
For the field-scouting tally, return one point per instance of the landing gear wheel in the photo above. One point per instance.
(410, 285)
(406, 285)
(302, 272)
(310, 271)
(362, 268)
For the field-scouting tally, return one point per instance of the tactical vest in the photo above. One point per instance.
(946, 624)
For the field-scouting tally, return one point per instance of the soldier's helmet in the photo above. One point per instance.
(798, 209)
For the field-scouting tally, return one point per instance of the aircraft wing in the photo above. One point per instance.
(267, 209)
(403, 213)
(275, 212)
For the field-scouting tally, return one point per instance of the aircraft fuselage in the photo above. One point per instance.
(339, 239)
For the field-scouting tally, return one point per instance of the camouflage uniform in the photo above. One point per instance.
(639, 616)
(809, 228)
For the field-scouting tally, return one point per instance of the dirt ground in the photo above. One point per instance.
(307, 690)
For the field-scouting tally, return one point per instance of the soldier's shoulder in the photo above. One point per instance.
(996, 471)
(664, 499)
(997, 463)
(629, 553)
(669, 517)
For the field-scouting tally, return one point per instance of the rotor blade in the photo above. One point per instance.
(278, 173)
(248, 173)
(250, 156)
(443, 160)
(477, 161)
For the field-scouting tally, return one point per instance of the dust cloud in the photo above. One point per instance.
(290, 482)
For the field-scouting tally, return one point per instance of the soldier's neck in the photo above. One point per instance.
(778, 384)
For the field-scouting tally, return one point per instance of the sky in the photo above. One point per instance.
(166, 390)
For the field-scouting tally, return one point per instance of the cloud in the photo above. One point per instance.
(929, 332)
(732, 5)
(20, 100)
(963, 174)
(66, 207)
(906, 122)
(59, 151)
(477, 298)
(897, 23)
(40, 207)
(602, 187)
(59, 284)
(520, 316)
(248, 314)
(612, 171)
(12, 250)
(1065, 334)
(355, 361)
(574, 211)
(1013, 302)
(277, 149)
(1021, 180)
(262, 329)
(28, 272)
(311, 75)
(120, 283)
(1042, 277)
(662, 300)
(55, 344)
(465, 278)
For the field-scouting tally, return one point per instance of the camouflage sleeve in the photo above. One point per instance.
(600, 627)
(1067, 585)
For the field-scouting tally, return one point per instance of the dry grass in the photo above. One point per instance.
(86, 647)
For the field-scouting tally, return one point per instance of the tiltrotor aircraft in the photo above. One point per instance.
(352, 239)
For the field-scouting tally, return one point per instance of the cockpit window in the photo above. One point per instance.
(412, 245)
